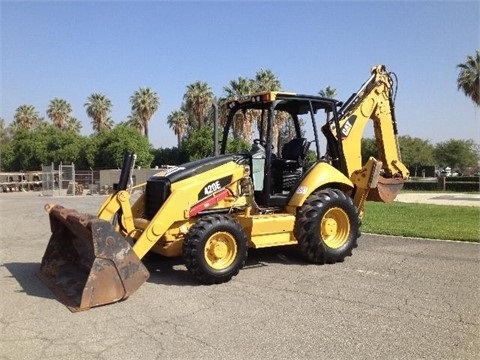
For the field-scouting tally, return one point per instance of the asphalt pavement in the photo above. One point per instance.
(395, 298)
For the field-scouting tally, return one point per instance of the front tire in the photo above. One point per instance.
(215, 249)
(327, 226)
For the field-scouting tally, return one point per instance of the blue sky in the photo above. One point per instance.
(70, 49)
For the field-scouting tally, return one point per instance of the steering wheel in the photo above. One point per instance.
(259, 142)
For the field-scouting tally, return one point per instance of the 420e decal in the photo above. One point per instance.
(214, 186)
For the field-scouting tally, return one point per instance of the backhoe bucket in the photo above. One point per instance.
(387, 189)
(87, 263)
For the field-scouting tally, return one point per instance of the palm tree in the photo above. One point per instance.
(135, 120)
(238, 88)
(243, 122)
(98, 108)
(26, 117)
(329, 92)
(2, 125)
(59, 111)
(178, 122)
(198, 100)
(3, 138)
(266, 80)
(145, 103)
(469, 77)
(73, 125)
(3, 131)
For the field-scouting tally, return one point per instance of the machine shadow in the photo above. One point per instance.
(172, 271)
(167, 271)
(274, 255)
(26, 276)
(163, 270)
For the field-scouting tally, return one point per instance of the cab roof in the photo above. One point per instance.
(288, 101)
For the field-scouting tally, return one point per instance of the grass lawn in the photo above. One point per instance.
(423, 220)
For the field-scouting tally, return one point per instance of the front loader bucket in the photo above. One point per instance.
(87, 263)
(387, 189)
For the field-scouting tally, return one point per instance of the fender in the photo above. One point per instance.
(320, 175)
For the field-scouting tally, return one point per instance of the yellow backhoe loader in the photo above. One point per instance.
(212, 211)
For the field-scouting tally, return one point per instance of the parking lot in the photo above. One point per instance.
(395, 298)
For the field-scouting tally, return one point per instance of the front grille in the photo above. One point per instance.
(156, 193)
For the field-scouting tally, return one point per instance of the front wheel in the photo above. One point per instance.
(215, 249)
(327, 226)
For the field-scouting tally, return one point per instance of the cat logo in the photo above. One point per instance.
(347, 127)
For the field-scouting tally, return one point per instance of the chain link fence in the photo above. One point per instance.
(60, 181)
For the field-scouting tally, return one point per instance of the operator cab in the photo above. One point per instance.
(285, 131)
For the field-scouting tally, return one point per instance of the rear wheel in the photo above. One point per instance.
(215, 249)
(327, 226)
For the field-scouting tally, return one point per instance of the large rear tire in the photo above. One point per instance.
(215, 249)
(327, 226)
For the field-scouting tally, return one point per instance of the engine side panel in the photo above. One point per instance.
(186, 190)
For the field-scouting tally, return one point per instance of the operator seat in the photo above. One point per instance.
(293, 154)
(289, 168)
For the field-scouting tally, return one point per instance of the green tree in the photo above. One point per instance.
(169, 156)
(63, 147)
(3, 132)
(369, 149)
(88, 152)
(178, 122)
(198, 143)
(197, 102)
(3, 142)
(458, 154)
(31, 149)
(26, 117)
(469, 77)
(415, 152)
(236, 146)
(145, 103)
(6, 157)
(111, 146)
(59, 111)
(98, 108)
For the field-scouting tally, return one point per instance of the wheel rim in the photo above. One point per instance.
(335, 228)
(220, 250)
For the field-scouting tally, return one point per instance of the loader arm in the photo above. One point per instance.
(115, 202)
(119, 203)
